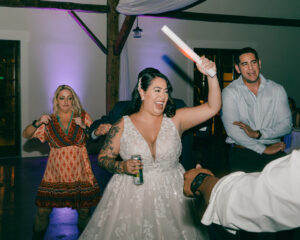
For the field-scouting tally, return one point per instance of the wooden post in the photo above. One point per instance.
(113, 61)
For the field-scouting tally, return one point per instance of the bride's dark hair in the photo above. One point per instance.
(145, 78)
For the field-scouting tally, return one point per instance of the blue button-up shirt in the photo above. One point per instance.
(267, 112)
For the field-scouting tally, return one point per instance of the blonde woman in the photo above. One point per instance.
(68, 180)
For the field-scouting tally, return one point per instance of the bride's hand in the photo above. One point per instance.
(131, 166)
(205, 65)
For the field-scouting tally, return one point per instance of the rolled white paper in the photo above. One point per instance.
(185, 48)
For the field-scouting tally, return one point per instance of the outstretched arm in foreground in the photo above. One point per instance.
(266, 201)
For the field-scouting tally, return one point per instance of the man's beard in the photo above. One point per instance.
(250, 81)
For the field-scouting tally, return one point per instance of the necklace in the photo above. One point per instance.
(62, 127)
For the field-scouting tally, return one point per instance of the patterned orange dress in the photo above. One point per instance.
(68, 180)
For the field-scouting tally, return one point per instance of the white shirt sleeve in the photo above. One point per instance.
(266, 201)
(94, 136)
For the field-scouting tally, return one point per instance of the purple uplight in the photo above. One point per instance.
(63, 65)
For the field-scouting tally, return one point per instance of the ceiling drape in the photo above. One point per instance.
(138, 7)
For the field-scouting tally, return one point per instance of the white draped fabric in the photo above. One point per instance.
(138, 7)
(124, 84)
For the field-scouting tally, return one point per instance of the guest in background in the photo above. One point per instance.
(256, 115)
(292, 140)
(295, 113)
(68, 180)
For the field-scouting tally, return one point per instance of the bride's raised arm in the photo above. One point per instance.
(187, 118)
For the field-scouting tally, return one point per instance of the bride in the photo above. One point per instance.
(156, 209)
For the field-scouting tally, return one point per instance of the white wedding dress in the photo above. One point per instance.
(157, 209)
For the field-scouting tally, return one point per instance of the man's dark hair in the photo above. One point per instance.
(243, 51)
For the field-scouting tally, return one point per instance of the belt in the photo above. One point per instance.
(237, 146)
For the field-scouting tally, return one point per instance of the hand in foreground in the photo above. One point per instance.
(189, 177)
(274, 148)
(131, 166)
(102, 129)
(248, 130)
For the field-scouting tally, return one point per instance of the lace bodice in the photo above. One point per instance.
(168, 145)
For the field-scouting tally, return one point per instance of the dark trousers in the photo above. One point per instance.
(246, 160)
(243, 159)
(217, 232)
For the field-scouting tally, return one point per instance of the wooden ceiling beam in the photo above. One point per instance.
(193, 16)
(55, 5)
(123, 34)
(88, 31)
(209, 17)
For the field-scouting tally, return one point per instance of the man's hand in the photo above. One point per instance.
(274, 148)
(189, 177)
(248, 130)
(102, 129)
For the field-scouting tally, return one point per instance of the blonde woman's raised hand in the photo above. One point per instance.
(44, 119)
(79, 122)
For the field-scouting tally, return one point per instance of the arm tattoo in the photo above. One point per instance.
(107, 157)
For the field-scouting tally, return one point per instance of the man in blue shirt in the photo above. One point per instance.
(255, 115)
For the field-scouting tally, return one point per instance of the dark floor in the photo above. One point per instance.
(19, 180)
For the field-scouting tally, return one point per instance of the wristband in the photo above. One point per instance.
(198, 181)
(259, 134)
(34, 124)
